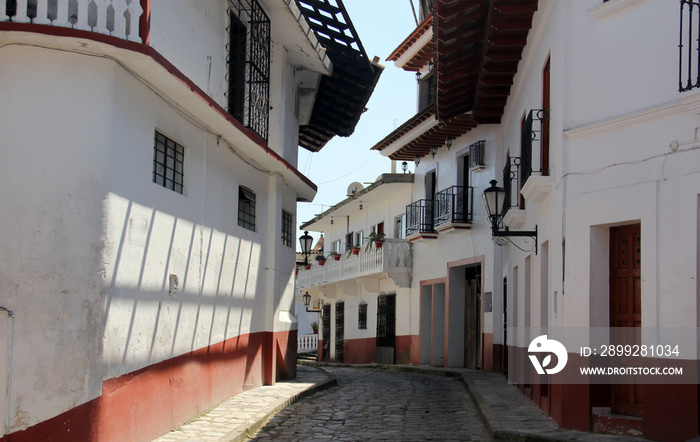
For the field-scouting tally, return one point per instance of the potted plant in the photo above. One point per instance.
(335, 256)
(377, 239)
(314, 327)
(321, 259)
(355, 250)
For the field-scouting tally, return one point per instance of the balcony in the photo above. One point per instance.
(118, 18)
(453, 209)
(419, 220)
(535, 184)
(512, 203)
(393, 260)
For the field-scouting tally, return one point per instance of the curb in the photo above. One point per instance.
(253, 426)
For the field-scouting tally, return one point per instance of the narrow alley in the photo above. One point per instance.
(373, 404)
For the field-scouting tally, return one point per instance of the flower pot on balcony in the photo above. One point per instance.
(378, 243)
(321, 262)
(307, 266)
(355, 250)
(336, 256)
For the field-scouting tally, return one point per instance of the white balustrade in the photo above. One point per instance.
(119, 18)
(393, 255)
(307, 343)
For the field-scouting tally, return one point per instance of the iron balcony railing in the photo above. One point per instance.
(454, 205)
(419, 217)
(689, 46)
(532, 133)
(511, 184)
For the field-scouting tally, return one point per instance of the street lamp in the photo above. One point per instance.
(306, 241)
(494, 199)
(307, 301)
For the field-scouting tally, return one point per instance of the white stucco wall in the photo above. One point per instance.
(51, 270)
(193, 37)
(95, 241)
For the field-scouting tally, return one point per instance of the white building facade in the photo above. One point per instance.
(361, 286)
(150, 186)
(574, 108)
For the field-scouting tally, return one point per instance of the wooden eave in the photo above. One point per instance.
(479, 45)
(342, 97)
(434, 136)
(424, 54)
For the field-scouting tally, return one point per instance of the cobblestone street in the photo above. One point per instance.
(371, 404)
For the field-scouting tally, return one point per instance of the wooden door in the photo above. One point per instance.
(626, 308)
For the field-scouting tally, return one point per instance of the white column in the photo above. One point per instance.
(119, 19)
(135, 12)
(101, 25)
(82, 22)
(42, 12)
(21, 16)
(62, 14)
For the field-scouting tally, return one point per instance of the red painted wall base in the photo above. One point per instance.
(142, 405)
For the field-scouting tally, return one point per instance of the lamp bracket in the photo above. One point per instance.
(497, 232)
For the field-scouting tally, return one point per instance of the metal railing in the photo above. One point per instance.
(419, 217)
(253, 99)
(532, 133)
(118, 18)
(689, 46)
(511, 184)
(454, 205)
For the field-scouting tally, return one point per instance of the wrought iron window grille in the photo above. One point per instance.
(362, 317)
(246, 208)
(168, 163)
(477, 155)
(531, 134)
(248, 61)
(511, 183)
(689, 46)
(287, 228)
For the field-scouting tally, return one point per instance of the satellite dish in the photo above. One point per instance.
(353, 188)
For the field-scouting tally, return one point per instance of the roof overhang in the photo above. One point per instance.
(293, 31)
(417, 49)
(423, 131)
(342, 97)
(479, 45)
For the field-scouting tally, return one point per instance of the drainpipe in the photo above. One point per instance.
(10, 338)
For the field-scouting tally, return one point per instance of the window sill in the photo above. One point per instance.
(612, 7)
(537, 188)
(515, 219)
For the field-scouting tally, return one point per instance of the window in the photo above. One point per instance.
(286, 228)
(168, 163)
(359, 238)
(246, 208)
(348, 241)
(249, 65)
(362, 316)
(400, 226)
(336, 246)
(426, 91)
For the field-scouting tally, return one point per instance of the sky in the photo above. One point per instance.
(381, 25)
